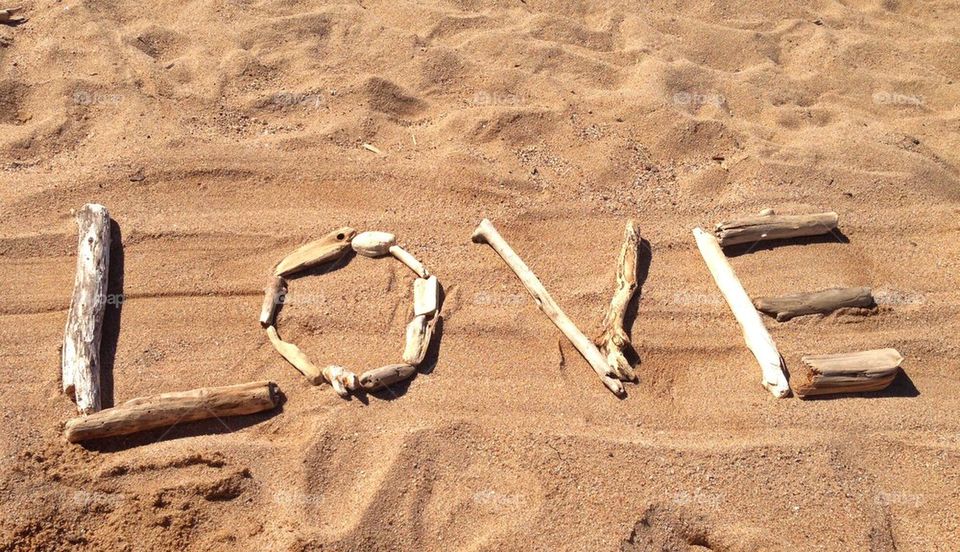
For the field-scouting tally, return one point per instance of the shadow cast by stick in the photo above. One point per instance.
(112, 315)
(319, 270)
(834, 236)
(426, 367)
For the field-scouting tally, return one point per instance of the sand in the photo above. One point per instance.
(223, 134)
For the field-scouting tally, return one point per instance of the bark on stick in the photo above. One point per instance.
(774, 227)
(816, 302)
(614, 338)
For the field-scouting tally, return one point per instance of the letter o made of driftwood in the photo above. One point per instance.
(331, 248)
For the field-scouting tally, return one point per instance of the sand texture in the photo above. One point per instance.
(223, 134)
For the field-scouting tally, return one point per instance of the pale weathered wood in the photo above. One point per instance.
(328, 248)
(774, 227)
(167, 409)
(426, 296)
(6, 15)
(754, 332)
(815, 302)
(418, 335)
(80, 359)
(412, 262)
(848, 372)
(385, 376)
(296, 357)
(487, 233)
(373, 244)
(342, 380)
(614, 338)
(273, 297)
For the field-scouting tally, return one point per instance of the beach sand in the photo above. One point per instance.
(222, 134)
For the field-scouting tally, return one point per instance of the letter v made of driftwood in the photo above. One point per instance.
(487, 233)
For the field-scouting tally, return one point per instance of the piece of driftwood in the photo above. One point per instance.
(342, 380)
(774, 227)
(754, 332)
(80, 359)
(168, 409)
(487, 233)
(328, 248)
(373, 244)
(273, 297)
(296, 357)
(6, 15)
(426, 295)
(815, 302)
(385, 376)
(614, 338)
(412, 262)
(417, 342)
(848, 372)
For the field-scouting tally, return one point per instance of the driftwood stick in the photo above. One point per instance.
(614, 338)
(412, 262)
(328, 248)
(343, 381)
(373, 244)
(7, 14)
(385, 376)
(273, 297)
(486, 233)
(824, 301)
(292, 354)
(417, 342)
(754, 332)
(426, 296)
(848, 372)
(172, 408)
(774, 227)
(80, 361)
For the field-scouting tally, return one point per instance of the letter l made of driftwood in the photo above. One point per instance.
(80, 361)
